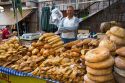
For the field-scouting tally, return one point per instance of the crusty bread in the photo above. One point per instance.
(120, 62)
(97, 54)
(99, 71)
(101, 65)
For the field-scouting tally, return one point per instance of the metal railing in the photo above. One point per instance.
(78, 5)
(95, 7)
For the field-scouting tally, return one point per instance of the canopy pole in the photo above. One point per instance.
(17, 25)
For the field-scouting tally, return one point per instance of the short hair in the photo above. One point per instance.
(70, 7)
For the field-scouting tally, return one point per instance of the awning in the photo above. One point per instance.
(7, 17)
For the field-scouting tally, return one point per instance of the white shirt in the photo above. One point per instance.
(69, 23)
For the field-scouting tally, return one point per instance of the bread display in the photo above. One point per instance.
(99, 64)
(10, 52)
(81, 61)
(119, 68)
(117, 35)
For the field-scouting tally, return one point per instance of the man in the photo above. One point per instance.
(68, 26)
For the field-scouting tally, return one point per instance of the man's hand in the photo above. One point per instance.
(57, 33)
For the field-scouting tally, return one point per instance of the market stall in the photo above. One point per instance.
(49, 59)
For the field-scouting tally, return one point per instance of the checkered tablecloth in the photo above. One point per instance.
(9, 71)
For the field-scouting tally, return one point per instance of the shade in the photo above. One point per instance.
(7, 17)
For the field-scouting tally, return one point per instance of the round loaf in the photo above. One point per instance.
(97, 54)
(101, 65)
(108, 33)
(121, 51)
(87, 80)
(103, 78)
(108, 44)
(117, 40)
(120, 62)
(118, 31)
(99, 71)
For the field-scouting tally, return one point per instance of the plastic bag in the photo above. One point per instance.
(55, 17)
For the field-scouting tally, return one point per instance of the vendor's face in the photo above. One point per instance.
(70, 11)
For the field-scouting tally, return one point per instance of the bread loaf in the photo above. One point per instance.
(97, 54)
(101, 65)
(99, 71)
(108, 44)
(121, 51)
(87, 80)
(103, 78)
(117, 40)
(118, 31)
(120, 62)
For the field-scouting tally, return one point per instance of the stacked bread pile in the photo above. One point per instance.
(120, 65)
(38, 52)
(65, 67)
(10, 52)
(53, 40)
(117, 35)
(99, 64)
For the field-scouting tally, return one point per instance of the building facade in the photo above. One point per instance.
(28, 22)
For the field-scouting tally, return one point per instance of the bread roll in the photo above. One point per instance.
(108, 44)
(46, 35)
(60, 43)
(87, 80)
(55, 41)
(120, 62)
(97, 54)
(118, 31)
(99, 71)
(101, 65)
(86, 41)
(103, 78)
(70, 44)
(54, 38)
(117, 40)
(108, 33)
(121, 51)
(50, 37)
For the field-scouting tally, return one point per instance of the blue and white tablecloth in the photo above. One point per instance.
(10, 71)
